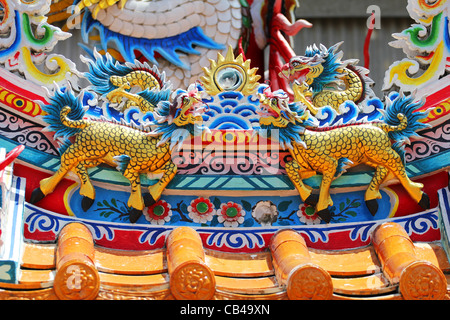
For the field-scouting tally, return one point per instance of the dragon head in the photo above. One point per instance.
(303, 69)
(318, 68)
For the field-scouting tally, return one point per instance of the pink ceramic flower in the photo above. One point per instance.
(159, 213)
(230, 214)
(201, 210)
(307, 215)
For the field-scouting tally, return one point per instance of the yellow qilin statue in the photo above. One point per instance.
(132, 150)
(330, 151)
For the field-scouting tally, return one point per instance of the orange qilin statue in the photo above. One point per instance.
(162, 158)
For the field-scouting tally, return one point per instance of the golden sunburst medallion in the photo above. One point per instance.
(230, 74)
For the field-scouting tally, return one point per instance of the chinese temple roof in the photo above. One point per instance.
(362, 273)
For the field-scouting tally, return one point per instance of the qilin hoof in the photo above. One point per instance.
(424, 202)
(86, 203)
(372, 205)
(325, 215)
(36, 196)
(312, 200)
(148, 200)
(135, 214)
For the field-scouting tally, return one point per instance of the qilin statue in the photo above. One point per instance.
(129, 148)
(330, 151)
(321, 79)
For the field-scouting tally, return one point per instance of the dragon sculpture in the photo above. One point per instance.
(331, 151)
(321, 79)
(132, 150)
(181, 36)
(117, 83)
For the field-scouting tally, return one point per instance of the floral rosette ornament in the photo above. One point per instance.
(230, 214)
(158, 213)
(308, 215)
(201, 210)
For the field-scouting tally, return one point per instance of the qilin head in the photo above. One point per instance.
(186, 108)
(182, 117)
(282, 120)
(276, 111)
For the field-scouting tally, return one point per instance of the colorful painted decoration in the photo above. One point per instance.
(25, 39)
(178, 165)
(319, 71)
(426, 45)
(158, 213)
(180, 37)
(331, 151)
(230, 74)
(133, 151)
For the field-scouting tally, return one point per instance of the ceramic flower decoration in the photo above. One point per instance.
(201, 210)
(307, 215)
(265, 212)
(159, 213)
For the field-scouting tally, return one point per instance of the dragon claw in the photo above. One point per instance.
(325, 215)
(36, 196)
(86, 203)
(424, 202)
(372, 205)
(148, 200)
(135, 214)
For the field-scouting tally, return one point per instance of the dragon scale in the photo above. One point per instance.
(353, 91)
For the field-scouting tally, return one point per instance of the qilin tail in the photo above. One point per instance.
(70, 123)
(64, 115)
(402, 119)
(394, 128)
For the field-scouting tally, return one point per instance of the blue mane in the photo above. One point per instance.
(292, 132)
(154, 97)
(398, 103)
(330, 66)
(102, 69)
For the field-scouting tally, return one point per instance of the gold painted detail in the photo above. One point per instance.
(324, 151)
(20, 103)
(230, 74)
(130, 150)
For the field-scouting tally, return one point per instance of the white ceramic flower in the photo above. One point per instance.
(265, 213)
